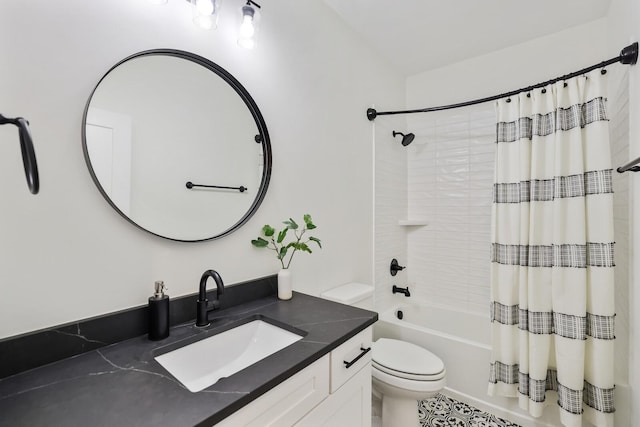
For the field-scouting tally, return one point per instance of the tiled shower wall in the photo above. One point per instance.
(450, 176)
(618, 107)
(390, 206)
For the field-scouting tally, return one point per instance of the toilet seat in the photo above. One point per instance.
(384, 381)
(408, 376)
(405, 360)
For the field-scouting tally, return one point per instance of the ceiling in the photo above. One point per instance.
(419, 35)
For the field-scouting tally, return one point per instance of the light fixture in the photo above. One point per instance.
(205, 13)
(250, 19)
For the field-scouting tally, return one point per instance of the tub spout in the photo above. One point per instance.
(405, 291)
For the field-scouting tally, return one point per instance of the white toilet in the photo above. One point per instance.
(402, 372)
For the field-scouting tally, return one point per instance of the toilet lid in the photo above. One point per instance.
(405, 357)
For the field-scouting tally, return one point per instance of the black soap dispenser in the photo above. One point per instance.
(159, 313)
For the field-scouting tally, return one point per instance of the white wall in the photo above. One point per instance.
(66, 255)
(509, 69)
(623, 27)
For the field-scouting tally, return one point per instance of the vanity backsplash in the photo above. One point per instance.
(27, 351)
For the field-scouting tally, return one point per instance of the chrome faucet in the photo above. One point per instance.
(203, 305)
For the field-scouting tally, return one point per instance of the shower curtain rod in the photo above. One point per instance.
(628, 56)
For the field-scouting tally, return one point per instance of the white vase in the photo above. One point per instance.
(285, 284)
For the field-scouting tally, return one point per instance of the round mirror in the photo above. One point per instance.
(177, 145)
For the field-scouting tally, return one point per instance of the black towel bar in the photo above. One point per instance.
(631, 166)
(241, 189)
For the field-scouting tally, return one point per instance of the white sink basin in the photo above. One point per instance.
(203, 363)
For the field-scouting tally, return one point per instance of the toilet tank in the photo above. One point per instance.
(356, 294)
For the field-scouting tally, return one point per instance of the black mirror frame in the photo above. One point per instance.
(262, 137)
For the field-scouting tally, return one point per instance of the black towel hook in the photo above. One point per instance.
(28, 153)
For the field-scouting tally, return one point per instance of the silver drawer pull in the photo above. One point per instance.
(350, 364)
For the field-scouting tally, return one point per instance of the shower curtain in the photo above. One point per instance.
(552, 295)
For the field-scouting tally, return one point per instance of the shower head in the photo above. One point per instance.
(406, 139)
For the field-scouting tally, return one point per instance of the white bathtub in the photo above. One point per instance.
(462, 341)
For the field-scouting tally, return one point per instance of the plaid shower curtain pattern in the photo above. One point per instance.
(552, 288)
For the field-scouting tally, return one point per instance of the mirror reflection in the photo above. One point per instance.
(161, 120)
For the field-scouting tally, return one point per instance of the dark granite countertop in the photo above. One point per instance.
(122, 384)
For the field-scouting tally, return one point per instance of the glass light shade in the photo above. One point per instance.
(246, 28)
(249, 24)
(205, 13)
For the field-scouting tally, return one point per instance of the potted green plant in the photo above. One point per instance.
(275, 241)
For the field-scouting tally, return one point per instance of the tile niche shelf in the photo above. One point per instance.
(413, 222)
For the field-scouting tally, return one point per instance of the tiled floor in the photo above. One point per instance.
(442, 411)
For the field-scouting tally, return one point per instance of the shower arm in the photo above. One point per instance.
(28, 153)
(628, 56)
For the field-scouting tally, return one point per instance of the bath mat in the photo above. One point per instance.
(440, 411)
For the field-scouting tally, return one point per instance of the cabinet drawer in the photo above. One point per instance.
(355, 348)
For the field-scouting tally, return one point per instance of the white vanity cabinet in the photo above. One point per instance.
(349, 406)
(326, 393)
(286, 403)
